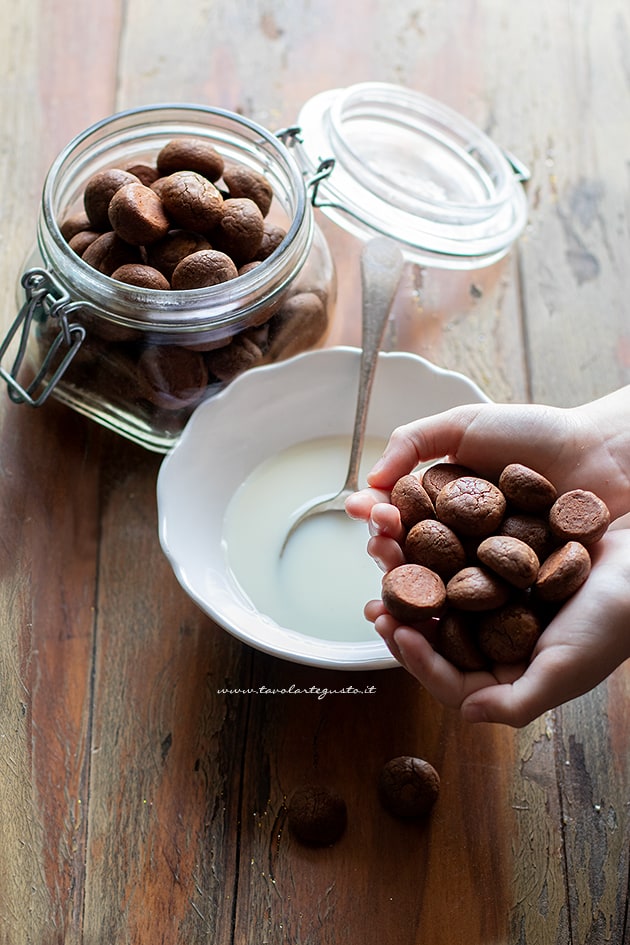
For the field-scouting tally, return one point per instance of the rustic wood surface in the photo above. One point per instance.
(137, 803)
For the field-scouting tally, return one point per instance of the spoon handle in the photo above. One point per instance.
(381, 269)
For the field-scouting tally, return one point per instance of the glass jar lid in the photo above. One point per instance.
(411, 168)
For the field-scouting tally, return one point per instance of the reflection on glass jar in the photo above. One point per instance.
(408, 167)
(149, 355)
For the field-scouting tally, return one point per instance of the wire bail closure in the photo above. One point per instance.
(291, 137)
(45, 298)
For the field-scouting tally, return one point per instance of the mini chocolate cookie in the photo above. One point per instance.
(412, 593)
(509, 634)
(147, 174)
(73, 224)
(145, 277)
(408, 787)
(172, 377)
(471, 506)
(457, 641)
(435, 477)
(532, 529)
(190, 200)
(204, 268)
(510, 558)
(271, 239)
(299, 324)
(81, 240)
(190, 154)
(579, 515)
(436, 546)
(240, 230)
(412, 500)
(175, 246)
(564, 571)
(477, 589)
(248, 267)
(239, 355)
(526, 489)
(137, 215)
(108, 251)
(99, 191)
(317, 816)
(243, 181)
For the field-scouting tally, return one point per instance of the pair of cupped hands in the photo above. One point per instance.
(586, 447)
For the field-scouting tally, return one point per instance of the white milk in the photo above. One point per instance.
(322, 581)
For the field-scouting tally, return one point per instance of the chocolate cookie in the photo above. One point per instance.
(203, 268)
(99, 191)
(172, 377)
(436, 546)
(242, 181)
(240, 230)
(477, 589)
(145, 277)
(471, 506)
(564, 571)
(108, 251)
(408, 787)
(227, 361)
(190, 154)
(75, 223)
(300, 323)
(532, 529)
(271, 239)
(412, 593)
(509, 634)
(136, 214)
(457, 641)
(412, 501)
(435, 477)
(579, 515)
(526, 489)
(81, 240)
(175, 246)
(190, 200)
(510, 558)
(316, 816)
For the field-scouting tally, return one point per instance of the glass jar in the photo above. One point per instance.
(139, 360)
(409, 167)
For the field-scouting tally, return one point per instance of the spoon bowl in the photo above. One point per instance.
(381, 268)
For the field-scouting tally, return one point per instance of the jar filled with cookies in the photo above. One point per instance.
(176, 249)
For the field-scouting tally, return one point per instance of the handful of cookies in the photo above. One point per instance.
(493, 561)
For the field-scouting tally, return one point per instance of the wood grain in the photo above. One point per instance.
(140, 801)
(338, 741)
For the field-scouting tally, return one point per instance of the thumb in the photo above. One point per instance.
(420, 441)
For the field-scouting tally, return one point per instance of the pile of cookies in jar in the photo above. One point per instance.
(189, 220)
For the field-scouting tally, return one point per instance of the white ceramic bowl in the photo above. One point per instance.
(261, 413)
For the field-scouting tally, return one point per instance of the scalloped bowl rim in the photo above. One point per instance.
(230, 434)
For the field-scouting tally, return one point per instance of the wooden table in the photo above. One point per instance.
(137, 803)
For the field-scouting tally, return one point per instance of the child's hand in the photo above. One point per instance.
(584, 643)
(584, 447)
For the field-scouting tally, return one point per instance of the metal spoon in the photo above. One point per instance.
(381, 268)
